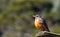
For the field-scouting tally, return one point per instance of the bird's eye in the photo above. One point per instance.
(36, 16)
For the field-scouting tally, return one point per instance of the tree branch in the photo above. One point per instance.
(47, 34)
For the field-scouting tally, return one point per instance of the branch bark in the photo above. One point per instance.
(47, 34)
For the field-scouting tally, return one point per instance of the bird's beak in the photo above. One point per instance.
(33, 15)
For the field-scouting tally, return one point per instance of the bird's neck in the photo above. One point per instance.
(37, 19)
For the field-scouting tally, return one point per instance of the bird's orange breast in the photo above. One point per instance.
(39, 25)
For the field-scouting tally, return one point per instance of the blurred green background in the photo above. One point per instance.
(16, 16)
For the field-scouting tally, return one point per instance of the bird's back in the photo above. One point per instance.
(45, 25)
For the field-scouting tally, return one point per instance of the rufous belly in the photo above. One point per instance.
(39, 25)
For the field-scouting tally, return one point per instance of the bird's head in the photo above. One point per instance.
(38, 17)
(35, 16)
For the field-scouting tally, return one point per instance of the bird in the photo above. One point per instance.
(40, 23)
